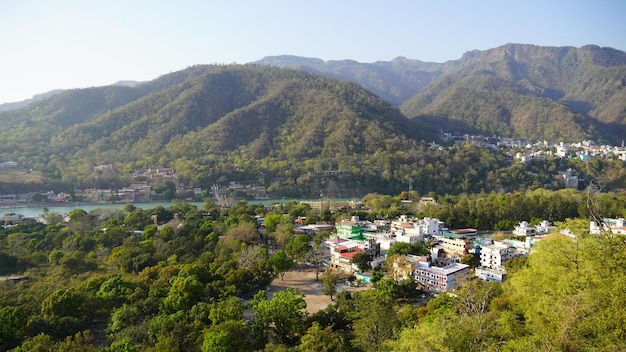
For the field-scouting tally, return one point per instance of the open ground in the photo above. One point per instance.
(303, 279)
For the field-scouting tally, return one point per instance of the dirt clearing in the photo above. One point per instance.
(303, 279)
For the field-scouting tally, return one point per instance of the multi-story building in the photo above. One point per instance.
(455, 245)
(440, 279)
(411, 230)
(404, 266)
(494, 256)
(341, 258)
(348, 229)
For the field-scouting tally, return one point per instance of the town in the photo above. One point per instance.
(157, 183)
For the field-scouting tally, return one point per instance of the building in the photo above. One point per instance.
(342, 250)
(616, 226)
(454, 245)
(348, 229)
(411, 230)
(404, 266)
(525, 229)
(440, 279)
(495, 255)
(341, 257)
(491, 274)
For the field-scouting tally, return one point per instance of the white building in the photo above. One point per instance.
(524, 229)
(440, 279)
(616, 226)
(495, 255)
(491, 274)
(411, 230)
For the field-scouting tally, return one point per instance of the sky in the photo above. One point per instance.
(64, 44)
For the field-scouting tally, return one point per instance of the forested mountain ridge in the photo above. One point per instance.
(236, 122)
(395, 81)
(517, 90)
(274, 127)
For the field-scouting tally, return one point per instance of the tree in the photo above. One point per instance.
(281, 263)
(329, 283)
(284, 312)
(228, 336)
(298, 247)
(362, 260)
(64, 303)
(387, 286)
(224, 310)
(12, 327)
(283, 234)
(570, 292)
(115, 290)
(473, 260)
(318, 255)
(53, 218)
(183, 294)
(374, 319)
(246, 233)
(272, 220)
(317, 339)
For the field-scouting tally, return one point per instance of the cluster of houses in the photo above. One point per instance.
(527, 150)
(438, 270)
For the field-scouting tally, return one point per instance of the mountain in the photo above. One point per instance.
(42, 96)
(395, 81)
(552, 93)
(213, 124)
(36, 97)
(303, 134)
(516, 90)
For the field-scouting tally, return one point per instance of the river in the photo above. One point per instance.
(34, 211)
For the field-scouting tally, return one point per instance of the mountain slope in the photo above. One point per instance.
(532, 92)
(239, 122)
(36, 97)
(394, 81)
(517, 90)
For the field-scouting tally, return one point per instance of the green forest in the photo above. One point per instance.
(185, 278)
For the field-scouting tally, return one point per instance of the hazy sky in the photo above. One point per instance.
(49, 44)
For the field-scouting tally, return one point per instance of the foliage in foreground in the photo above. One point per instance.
(183, 288)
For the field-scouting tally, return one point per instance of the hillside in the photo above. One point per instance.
(296, 133)
(395, 81)
(36, 97)
(214, 124)
(533, 92)
(517, 90)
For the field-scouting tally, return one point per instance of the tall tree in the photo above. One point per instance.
(329, 283)
(374, 319)
(284, 313)
(362, 260)
(281, 263)
(298, 247)
(318, 255)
